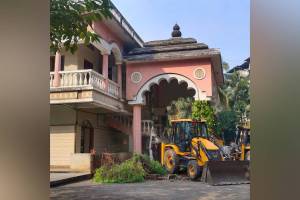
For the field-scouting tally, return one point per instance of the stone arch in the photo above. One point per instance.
(139, 98)
(107, 48)
(114, 48)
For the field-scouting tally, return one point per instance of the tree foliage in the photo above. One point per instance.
(235, 104)
(235, 95)
(226, 124)
(202, 110)
(180, 109)
(225, 66)
(70, 19)
(184, 108)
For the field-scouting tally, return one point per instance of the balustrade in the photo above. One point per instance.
(113, 88)
(147, 126)
(126, 121)
(86, 78)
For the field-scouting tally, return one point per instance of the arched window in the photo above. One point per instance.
(87, 137)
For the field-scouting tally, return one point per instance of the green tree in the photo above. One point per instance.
(70, 19)
(235, 95)
(226, 124)
(235, 104)
(225, 66)
(202, 110)
(180, 109)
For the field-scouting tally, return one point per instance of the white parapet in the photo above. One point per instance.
(85, 79)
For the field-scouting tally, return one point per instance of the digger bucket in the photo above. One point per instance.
(226, 172)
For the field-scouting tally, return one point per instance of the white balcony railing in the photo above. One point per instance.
(121, 122)
(147, 126)
(113, 88)
(85, 78)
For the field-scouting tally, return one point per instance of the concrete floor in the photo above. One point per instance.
(150, 190)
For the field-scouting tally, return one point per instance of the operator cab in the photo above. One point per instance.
(183, 131)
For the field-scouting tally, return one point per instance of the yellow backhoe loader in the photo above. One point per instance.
(243, 141)
(189, 148)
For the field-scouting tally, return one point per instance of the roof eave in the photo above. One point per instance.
(218, 69)
(179, 55)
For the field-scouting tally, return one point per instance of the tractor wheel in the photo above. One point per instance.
(248, 155)
(171, 161)
(193, 169)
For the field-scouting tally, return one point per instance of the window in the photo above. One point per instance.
(111, 66)
(100, 67)
(87, 64)
(62, 63)
(52, 63)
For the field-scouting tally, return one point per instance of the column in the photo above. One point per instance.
(105, 69)
(137, 129)
(120, 79)
(57, 68)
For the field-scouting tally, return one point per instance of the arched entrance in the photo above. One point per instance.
(155, 96)
(168, 77)
(87, 137)
(157, 102)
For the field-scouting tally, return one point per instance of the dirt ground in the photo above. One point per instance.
(150, 190)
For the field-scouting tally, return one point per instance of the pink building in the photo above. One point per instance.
(107, 96)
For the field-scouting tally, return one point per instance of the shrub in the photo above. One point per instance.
(127, 172)
(151, 166)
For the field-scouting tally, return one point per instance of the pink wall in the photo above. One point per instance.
(185, 68)
(102, 30)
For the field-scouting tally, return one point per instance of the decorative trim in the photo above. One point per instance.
(139, 98)
(199, 73)
(136, 77)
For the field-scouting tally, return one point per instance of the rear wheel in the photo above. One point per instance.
(193, 169)
(171, 161)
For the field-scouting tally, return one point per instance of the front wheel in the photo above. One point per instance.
(171, 161)
(193, 169)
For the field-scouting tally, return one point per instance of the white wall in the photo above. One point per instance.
(62, 145)
(92, 56)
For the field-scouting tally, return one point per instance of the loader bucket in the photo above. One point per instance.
(226, 172)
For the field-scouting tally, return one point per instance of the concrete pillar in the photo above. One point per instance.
(120, 79)
(105, 69)
(105, 65)
(57, 68)
(137, 129)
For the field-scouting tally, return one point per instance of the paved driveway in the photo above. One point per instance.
(151, 190)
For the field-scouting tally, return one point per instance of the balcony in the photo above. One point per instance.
(82, 86)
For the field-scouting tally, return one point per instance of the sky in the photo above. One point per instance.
(223, 24)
